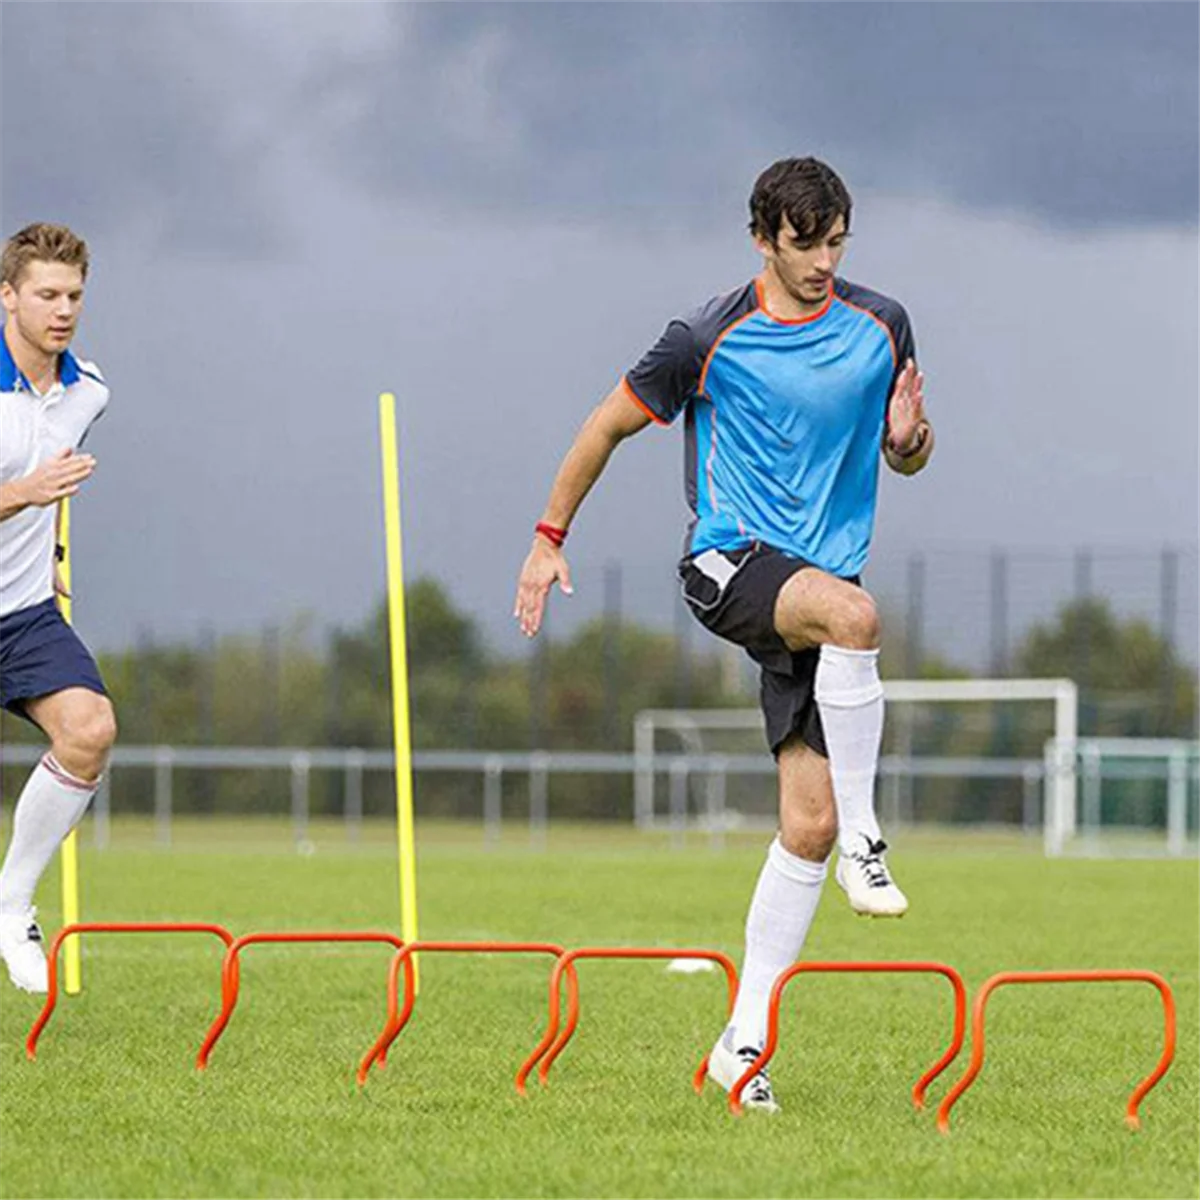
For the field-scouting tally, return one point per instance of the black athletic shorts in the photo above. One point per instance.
(732, 594)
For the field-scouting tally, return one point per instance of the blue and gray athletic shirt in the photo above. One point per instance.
(784, 419)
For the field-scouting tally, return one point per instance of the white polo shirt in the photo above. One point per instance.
(33, 428)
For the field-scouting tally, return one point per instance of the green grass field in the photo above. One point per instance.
(114, 1107)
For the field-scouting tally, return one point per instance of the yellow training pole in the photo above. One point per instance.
(399, 658)
(72, 960)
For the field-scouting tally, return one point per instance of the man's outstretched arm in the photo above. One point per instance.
(614, 419)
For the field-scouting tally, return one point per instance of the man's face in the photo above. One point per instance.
(805, 268)
(45, 305)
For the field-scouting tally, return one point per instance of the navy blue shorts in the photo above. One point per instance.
(41, 654)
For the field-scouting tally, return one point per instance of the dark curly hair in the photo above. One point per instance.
(806, 191)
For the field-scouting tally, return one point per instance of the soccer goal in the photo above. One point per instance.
(1136, 796)
(715, 744)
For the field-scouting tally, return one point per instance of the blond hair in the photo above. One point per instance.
(41, 242)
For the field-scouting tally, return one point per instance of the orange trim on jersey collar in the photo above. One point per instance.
(628, 387)
(760, 292)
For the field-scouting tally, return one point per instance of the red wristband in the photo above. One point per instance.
(551, 533)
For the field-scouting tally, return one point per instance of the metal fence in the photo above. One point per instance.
(696, 784)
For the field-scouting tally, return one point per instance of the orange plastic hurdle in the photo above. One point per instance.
(979, 1009)
(802, 968)
(230, 971)
(108, 927)
(396, 1021)
(552, 1043)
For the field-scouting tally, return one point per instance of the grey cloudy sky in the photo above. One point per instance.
(492, 209)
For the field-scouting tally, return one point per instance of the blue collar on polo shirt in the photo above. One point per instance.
(12, 379)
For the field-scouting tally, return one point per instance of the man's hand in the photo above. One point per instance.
(56, 478)
(906, 410)
(544, 565)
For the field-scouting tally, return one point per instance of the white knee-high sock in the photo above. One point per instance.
(850, 701)
(48, 808)
(783, 907)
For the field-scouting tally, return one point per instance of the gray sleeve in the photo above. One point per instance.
(902, 335)
(665, 378)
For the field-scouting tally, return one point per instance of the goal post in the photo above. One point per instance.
(1124, 762)
(690, 725)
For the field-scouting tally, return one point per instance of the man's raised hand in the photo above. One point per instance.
(57, 478)
(543, 566)
(906, 409)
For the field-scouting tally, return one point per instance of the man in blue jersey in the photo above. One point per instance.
(792, 387)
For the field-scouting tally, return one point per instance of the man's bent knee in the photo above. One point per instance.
(856, 625)
(85, 736)
(814, 608)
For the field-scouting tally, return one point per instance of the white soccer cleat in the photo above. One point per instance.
(864, 877)
(726, 1067)
(21, 949)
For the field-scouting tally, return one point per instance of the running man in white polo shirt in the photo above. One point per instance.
(48, 402)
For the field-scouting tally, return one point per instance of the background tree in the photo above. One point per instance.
(1132, 683)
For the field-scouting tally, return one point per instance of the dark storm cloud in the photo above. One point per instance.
(636, 115)
(1076, 114)
(113, 111)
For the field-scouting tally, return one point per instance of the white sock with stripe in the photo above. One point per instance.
(48, 808)
(784, 904)
(850, 701)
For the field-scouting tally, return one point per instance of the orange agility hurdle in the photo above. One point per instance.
(552, 1043)
(396, 1021)
(979, 1009)
(802, 968)
(108, 927)
(230, 971)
